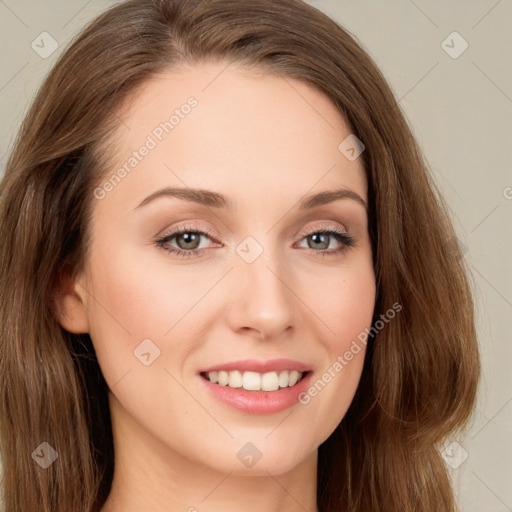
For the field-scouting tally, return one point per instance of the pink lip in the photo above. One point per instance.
(259, 402)
(254, 365)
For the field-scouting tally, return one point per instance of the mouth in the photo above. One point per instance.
(257, 387)
(255, 381)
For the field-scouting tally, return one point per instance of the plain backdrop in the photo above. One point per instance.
(450, 66)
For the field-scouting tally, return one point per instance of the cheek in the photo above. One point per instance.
(128, 306)
(346, 310)
(144, 300)
(137, 297)
(344, 303)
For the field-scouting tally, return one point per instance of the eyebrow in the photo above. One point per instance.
(216, 200)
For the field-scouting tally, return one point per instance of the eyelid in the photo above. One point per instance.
(321, 227)
(185, 228)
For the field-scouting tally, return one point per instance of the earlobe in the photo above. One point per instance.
(72, 306)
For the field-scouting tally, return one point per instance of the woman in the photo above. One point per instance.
(227, 279)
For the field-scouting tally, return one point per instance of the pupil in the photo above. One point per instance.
(189, 238)
(316, 241)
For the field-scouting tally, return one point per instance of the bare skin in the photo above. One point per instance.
(265, 143)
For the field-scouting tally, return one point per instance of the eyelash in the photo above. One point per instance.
(345, 239)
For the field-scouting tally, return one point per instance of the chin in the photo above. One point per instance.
(257, 460)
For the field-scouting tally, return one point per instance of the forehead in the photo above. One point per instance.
(227, 127)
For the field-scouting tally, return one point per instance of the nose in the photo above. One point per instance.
(262, 300)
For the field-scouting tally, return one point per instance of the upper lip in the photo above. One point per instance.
(255, 365)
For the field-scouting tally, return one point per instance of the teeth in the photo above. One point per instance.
(269, 381)
(283, 379)
(253, 381)
(223, 378)
(235, 379)
(293, 378)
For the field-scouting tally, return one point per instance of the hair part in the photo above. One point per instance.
(421, 370)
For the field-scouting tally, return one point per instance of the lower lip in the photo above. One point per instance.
(259, 402)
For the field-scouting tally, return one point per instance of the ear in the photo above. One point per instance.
(71, 303)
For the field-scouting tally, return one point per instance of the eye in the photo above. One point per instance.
(187, 238)
(320, 239)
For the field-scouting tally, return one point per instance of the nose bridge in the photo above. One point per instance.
(262, 297)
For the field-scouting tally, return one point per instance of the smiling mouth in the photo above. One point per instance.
(254, 381)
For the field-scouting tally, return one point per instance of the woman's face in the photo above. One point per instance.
(255, 281)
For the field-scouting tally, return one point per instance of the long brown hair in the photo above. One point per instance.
(421, 370)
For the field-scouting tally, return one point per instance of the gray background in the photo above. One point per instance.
(460, 109)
